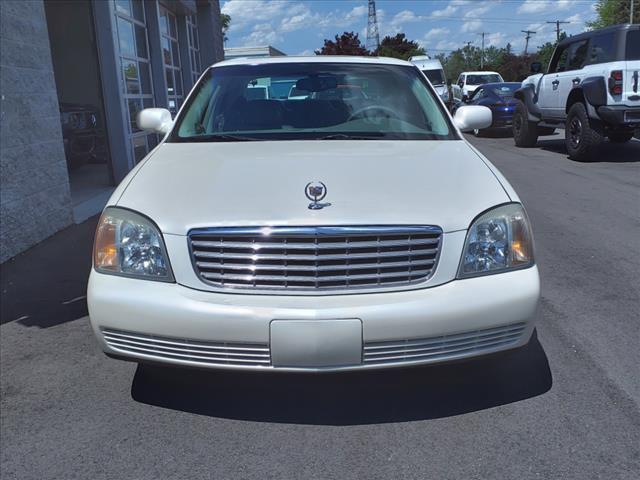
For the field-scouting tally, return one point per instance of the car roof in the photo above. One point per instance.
(312, 59)
(591, 33)
(433, 62)
(480, 73)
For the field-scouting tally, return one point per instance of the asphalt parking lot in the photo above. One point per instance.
(567, 406)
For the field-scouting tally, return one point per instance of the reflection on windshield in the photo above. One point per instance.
(280, 101)
(506, 89)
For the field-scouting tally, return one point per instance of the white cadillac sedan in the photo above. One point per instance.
(348, 227)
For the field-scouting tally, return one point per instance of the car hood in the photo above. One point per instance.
(192, 185)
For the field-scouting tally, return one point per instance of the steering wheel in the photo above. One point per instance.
(362, 113)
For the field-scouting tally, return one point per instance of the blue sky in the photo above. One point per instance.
(299, 27)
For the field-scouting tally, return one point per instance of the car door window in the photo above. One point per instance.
(577, 55)
(602, 49)
(559, 61)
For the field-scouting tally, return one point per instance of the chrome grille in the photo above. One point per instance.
(208, 353)
(422, 349)
(315, 258)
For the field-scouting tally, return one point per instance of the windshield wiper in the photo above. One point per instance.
(344, 136)
(220, 137)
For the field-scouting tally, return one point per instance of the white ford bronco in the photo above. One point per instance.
(591, 89)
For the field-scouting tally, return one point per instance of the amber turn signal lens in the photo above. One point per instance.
(105, 252)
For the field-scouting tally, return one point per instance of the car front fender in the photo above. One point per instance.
(527, 95)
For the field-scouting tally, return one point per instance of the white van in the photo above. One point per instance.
(434, 72)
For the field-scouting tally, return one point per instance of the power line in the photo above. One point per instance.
(558, 22)
(527, 37)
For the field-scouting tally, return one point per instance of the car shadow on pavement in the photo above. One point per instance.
(354, 398)
(606, 153)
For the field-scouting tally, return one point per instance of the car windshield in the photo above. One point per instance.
(436, 77)
(332, 101)
(480, 79)
(505, 90)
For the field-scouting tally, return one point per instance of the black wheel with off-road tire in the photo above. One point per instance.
(525, 132)
(620, 137)
(580, 137)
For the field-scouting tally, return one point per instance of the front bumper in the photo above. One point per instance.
(173, 324)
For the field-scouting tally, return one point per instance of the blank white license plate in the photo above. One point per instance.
(316, 343)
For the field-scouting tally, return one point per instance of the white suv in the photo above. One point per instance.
(591, 88)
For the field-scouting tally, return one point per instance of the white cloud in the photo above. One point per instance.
(400, 18)
(539, 6)
(471, 26)
(475, 12)
(262, 17)
(445, 12)
(356, 13)
(497, 39)
(446, 45)
(261, 35)
(435, 33)
(305, 53)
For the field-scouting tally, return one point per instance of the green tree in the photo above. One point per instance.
(398, 46)
(614, 12)
(225, 21)
(346, 44)
(461, 60)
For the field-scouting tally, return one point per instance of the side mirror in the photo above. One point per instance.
(470, 117)
(461, 84)
(464, 99)
(157, 120)
(535, 67)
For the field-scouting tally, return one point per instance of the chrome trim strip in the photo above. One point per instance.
(320, 230)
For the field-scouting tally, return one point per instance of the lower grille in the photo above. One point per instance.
(315, 258)
(416, 350)
(208, 353)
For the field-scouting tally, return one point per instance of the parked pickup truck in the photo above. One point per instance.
(591, 89)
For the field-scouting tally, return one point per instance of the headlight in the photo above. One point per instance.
(130, 245)
(498, 240)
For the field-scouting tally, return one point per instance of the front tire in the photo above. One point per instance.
(620, 137)
(525, 133)
(580, 138)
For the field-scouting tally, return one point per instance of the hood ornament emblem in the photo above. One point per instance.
(316, 191)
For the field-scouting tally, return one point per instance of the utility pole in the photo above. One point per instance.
(482, 51)
(528, 36)
(373, 36)
(631, 11)
(558, 22)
